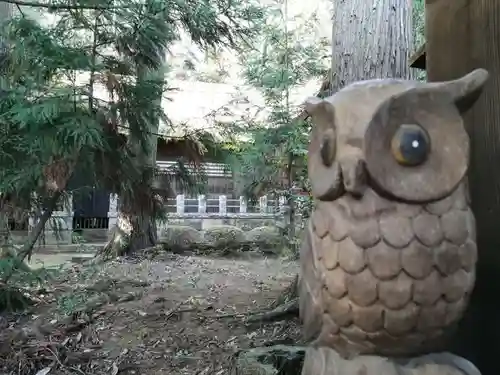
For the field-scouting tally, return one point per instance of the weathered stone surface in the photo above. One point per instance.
(428, 229)
(396, 283)
(351, 256)
(440, 207)
(311, 291)
(330, 255)
(181, 235)
(417, 260)
(266, 237)
(455, 226)
(223, 235)
(396, 293)
(396, 230)
(468, 255)
(222, 239)
(365, 233)
(362, 288)
(384, 261)
(338, 223)
(335, 284)
(392, 234)
(326, 361)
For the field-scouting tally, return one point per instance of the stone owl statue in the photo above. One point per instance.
(388, 260)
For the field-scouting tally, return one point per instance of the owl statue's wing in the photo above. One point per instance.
(310, 288)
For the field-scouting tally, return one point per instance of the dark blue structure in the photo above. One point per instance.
(90, 205)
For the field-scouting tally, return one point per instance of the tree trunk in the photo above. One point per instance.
(134, 231)
(370, 39)
(136, 225)
(463, 35)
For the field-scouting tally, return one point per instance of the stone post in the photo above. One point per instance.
(180, 204)
(59, 228)
(112, 212)
(243, 205)
(202, 204)
(222, 205)
(263, 204)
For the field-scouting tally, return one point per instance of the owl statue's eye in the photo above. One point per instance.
(410, 145)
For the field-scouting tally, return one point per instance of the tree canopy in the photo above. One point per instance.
(82, 84)
(285, 59)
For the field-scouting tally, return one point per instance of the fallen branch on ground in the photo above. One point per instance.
(285, 311)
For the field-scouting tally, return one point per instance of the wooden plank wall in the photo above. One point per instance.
(462, 35)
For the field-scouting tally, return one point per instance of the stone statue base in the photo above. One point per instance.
(326, 361)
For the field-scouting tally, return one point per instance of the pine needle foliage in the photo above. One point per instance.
(287, 58)
(273, 161)
(120, 45)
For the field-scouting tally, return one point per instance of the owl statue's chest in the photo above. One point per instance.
(392, 278)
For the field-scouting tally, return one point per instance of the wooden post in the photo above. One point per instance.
(222, 204)
(180, 204)
(243, 205)
(462, 35)
(202, 204)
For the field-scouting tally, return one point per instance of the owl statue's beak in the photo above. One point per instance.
(353, 172)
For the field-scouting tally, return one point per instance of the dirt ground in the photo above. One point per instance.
(175, 315)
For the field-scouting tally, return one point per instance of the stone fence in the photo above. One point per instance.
(200, 213)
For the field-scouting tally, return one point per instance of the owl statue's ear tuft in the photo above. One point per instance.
(319, 108)
(311, 104)
(324, 172)
(465, 90)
